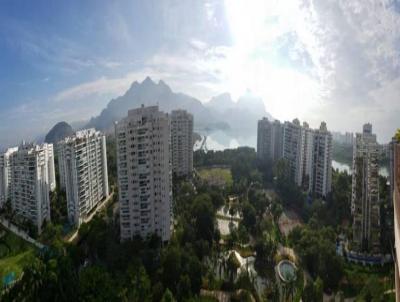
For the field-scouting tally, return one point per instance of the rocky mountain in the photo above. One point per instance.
(150, 93)
(240, 115)
(58, 132)
(220, 113)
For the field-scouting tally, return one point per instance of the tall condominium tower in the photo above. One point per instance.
(144, 173)
(395, 193)
(269, 139)
(307, 156)
(293, 149)
(32, 179)
(182, 142)
(82, 160)
(365, 192)
(264, 139)
(5, 175)
(321, 179)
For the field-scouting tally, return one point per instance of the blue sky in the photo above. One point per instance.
(317, 60)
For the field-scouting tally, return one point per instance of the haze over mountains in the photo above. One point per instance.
(221, 112)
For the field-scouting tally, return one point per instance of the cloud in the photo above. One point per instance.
(101, 86)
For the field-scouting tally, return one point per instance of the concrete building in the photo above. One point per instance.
(365, 193)
(395, 193)
(82, 160)
(264, 139)
(32, 179)
(307, 149)
(293, 149)
(321, 179)
(182, 142)
(269, 140)
(144, 173)
(346, 138)
(5, 175)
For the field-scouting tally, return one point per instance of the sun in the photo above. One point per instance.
(254, 62)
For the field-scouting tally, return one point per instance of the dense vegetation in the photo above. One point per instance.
(98, 267)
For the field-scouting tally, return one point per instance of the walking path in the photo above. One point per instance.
(20, 233)
(98, 209)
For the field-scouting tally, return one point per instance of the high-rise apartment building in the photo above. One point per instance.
(82, 160)
(269, 140)
(182, 142)
(307, 142)
(144, 173)
(293, 149)
(365, 192)
(321, 179)
(5, 175)
(32, 179)
(395, 193)
(264, 139)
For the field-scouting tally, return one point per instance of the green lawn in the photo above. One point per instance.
(221, 177)
(15, 253)
(14, 264)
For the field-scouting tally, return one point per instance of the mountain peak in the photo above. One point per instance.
(148, 81)
(59, 132)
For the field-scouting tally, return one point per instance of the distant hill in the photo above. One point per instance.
(151, 93)
(220, 113)
(240, 115)
(58, 133)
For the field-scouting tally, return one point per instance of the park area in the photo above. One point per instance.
(15, 253)
(220, 177)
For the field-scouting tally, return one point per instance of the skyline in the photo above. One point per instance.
(65, 61)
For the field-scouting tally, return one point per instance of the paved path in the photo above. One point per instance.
(20, 233)
(98, 209)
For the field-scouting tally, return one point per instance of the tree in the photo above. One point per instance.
(168, 296)
(95, 284)
(204, 217)
(139, 286)
(249, 216)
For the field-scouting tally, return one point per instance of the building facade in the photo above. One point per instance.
(395, 193)
(182, 142)
(365, 193)
(269, 140)
(5, 175)
(264, 139)
(321, 179)
(144, 173)
(32, 179)
(307, 141)
(293, 149)
(82, 160)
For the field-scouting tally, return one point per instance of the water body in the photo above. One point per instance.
(220, 139)
(342, 167)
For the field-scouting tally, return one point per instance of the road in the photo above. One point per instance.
(20, 233)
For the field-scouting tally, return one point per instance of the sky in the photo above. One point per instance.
(333, 60)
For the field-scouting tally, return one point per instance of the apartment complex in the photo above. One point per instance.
(395, 193)
(321, 175)
(82, 161)
(32, 179)
(307, 164)
(144, 173)
(365, 192)
(269, 140)
(346, 138)
(182, 142)
(307, 151)
(5, 175)
(293, 149)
